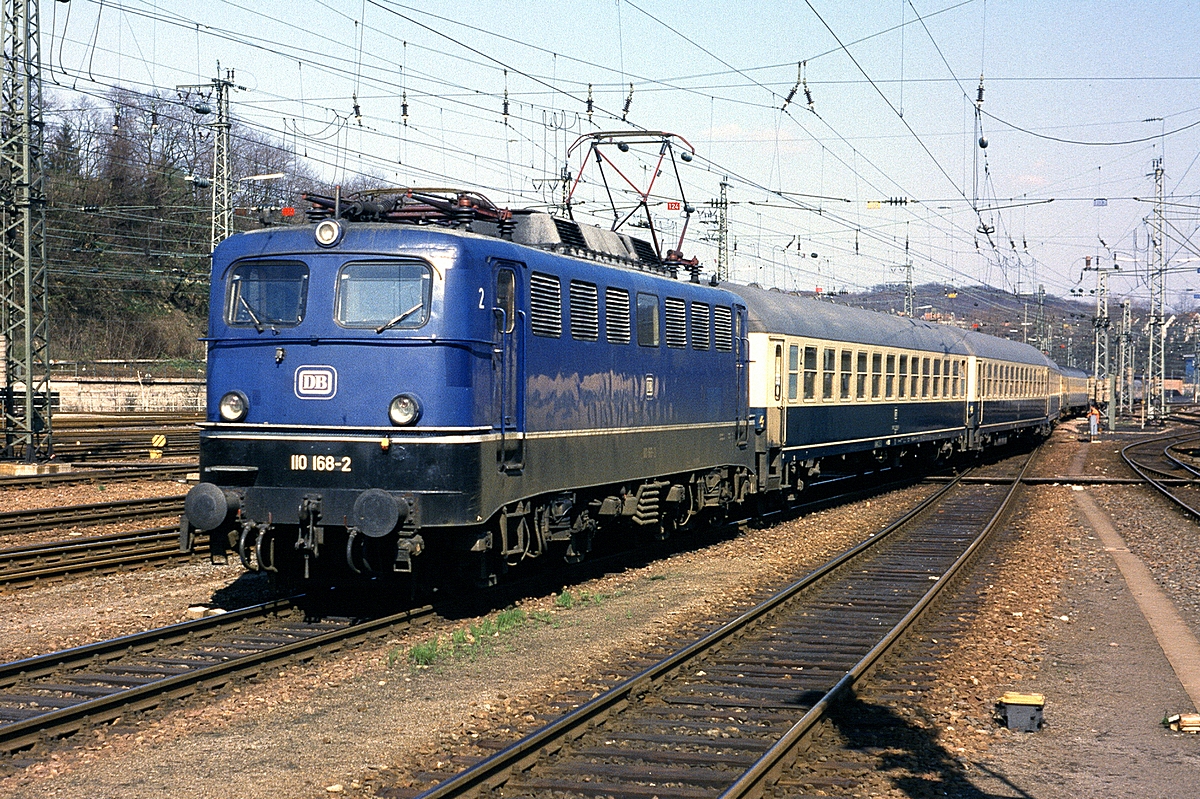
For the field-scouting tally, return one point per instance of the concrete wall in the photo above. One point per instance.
(106, 395)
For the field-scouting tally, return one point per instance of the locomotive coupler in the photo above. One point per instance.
(406, 550)
(311, 536)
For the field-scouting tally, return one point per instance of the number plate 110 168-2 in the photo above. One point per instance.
(319, 463)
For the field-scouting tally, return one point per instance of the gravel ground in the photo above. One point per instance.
(85, 494)
(368, 722)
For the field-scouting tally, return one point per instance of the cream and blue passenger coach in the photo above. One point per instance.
(831, 385)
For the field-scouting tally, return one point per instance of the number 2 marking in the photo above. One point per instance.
(481, 299)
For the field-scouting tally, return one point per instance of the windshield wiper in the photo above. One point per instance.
(258, 325)
(400, 318)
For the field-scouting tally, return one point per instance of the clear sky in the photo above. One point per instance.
(1079, 100)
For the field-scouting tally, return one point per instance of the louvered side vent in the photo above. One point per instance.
(568, 231)
(585, 311)
(700, 325)
(723, 328)
(616, 316)
(644, 251)
(676, 323)
(545, 305)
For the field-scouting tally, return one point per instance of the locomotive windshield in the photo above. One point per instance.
(384, 295)
(267, 293)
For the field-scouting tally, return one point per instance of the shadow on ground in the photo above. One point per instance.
(906, 753)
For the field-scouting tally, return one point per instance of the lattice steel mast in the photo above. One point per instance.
(23, 280)
(1155, 395)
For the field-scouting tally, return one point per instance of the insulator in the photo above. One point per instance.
(589, 102)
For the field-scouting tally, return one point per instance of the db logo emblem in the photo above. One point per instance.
(316, 382)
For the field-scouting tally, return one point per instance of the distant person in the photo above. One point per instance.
(1093, 417)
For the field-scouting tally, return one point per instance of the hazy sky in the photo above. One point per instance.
(1068, 92)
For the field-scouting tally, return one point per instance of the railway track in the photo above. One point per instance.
(119, 474)
(58, 694)
(98, 554)
(724, 715)
(1162, 463)
(25, 521)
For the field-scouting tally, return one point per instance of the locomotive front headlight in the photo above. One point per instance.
(233, 406)
(404, 410)
(328, 232)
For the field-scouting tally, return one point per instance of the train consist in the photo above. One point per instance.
(424, 383)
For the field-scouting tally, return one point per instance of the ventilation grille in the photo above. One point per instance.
(545, 305)
(723, 328)
(616, 316)
(700, 325)
(644, 251)
(585, 311)
(676, 323)
(568, 231)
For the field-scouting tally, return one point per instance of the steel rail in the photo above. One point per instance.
(34, 562)
(62, 721)
(1162, 486)
(768, 767)
(97, 475)
(499, 768)
(24, 521)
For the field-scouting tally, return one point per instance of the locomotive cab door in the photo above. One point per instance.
(507, 386)
(742, 346)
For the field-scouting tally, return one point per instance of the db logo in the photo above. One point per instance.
(316, 382)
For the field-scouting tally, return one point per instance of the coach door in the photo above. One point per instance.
(506, 368)
(775, 400)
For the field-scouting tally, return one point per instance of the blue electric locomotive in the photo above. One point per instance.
(476, 390)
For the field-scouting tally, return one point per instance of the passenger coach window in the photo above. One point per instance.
(903, 374)
(829, 369)
(890, 388)
(847, 364)
(862, 376)
(647, 319)
(937, 377)
(392, 294)
(266, 294)
(876, 374)
(924, 377)
(810, 373)
(793, 371)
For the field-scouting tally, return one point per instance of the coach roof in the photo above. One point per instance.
(781, 313)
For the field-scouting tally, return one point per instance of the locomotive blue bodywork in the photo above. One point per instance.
(549, 392)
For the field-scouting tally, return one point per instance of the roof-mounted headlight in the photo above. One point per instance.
(233, 406)
(404, 410)
(329, 232)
